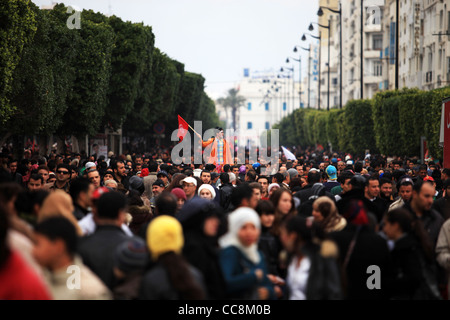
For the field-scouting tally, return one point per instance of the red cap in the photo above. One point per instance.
(428, 178)
(144, 172)
(98, 192)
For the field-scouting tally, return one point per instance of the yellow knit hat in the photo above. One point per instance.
(164, 234)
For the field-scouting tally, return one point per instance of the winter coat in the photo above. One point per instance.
(91, 287)
(324, 280)
(239, 274)
(443, 250)
(370, 249)
(432, 222)
(156, 284)
(141, 216)
(270, 247)
(98, 250)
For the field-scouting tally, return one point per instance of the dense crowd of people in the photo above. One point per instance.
(323, 226)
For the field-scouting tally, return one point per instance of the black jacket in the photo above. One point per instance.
(406, 268)
(79, 212)
(305, 207)
(98, 249)
(225, 195)
(270, 247)
(370, 250)
(432, 222)
(442, 206)
(200, 251)
(156, 284)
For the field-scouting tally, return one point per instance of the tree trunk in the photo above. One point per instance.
(75, 145)
(233, 112)
(60, 145)
(42, 144)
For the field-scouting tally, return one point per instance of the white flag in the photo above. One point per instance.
(289, 155)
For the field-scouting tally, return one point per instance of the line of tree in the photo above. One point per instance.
(107, 74)
(392, 123)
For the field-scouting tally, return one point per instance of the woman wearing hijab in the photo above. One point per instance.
(326, 215)
(206, 191)
(243, 265)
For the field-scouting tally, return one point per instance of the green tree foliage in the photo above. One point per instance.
(17, 28)
(88, 99)
(44, 76)
(359, 125)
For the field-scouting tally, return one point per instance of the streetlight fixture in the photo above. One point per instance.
(293, 86)
(299, 60)
(309, 73)
(320, 39)
(320, 13)
(311, 28)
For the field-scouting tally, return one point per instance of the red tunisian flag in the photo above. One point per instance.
(183, 128)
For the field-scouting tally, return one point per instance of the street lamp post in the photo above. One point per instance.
(309, 74)
(293, 87)
(311, 28)
(320, 58)
(299, 60)
(320, 13)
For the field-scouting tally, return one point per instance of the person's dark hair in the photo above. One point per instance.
(255, 185)
(265, 207)
(77, 186)
(345, 175)
(4, 226)
(446, 171)
(241, 192)
(275, 199)
(205, 171)
(295, 184)
(263, 177)
(417, 187)
(358, 167)
(134, 198)
(110, 204)
(279, 177)
(373, 177)
(402, 217)
(166, 203)
(64, 166)
(152, 166)
(387, 175)
(51, 164)
(314, 177)
(210, 167)
(306, 233)
(164, 167)
(423, 167)
(180, 276)
(251, 175)
(176, 179)
(446, 184)
(224, 178)
(227, 168)
(8, 191)
(36, 176)
(384, 181)
(59, 228)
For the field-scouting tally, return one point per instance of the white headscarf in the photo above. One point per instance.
(209, 187)
(236, 220)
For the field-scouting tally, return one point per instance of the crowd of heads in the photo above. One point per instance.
(167, 218)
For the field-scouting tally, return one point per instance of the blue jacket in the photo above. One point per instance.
(239, 274)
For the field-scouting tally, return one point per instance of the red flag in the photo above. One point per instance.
(183, 128)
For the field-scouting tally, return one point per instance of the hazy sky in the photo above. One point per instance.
(218, 38)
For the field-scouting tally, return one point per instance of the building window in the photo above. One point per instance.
(377, 68)
(266, 106)
(249, 106)
(377, 42)
(284, 106)
(267, 125)
(249, 125)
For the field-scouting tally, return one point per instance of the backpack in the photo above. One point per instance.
(305, 208)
